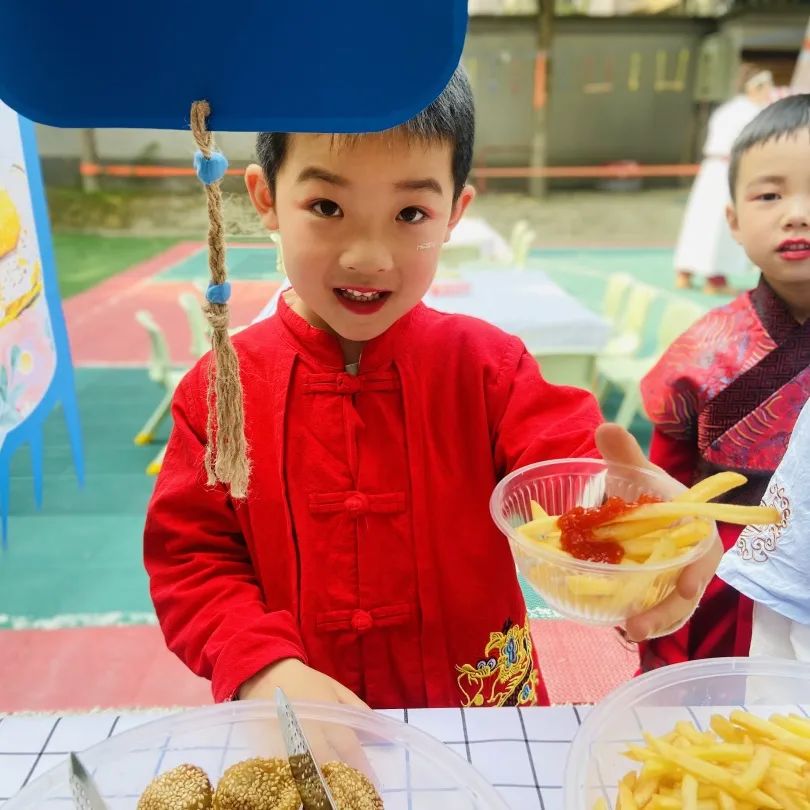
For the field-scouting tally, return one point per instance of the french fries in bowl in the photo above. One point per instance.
(603, 542)
(717, 734)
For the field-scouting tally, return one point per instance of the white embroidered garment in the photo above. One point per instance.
(771, 564)
(774, 636)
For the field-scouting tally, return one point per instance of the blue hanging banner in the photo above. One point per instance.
(36, 372)
(315, 66)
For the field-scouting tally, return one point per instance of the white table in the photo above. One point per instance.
(525, 303)
(528, 304)
(477, 232)
(522, 752)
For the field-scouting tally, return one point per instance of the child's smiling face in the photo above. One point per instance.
(770, 217)
(362, 221)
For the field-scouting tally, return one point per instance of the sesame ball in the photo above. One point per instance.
(351, 789)
(257, 784)
(185, 787)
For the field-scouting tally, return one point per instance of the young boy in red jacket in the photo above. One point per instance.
(362, 563)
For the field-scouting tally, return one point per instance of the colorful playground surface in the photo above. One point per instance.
(101, 322)
(77, 628)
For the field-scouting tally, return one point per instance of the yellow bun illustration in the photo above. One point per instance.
(9, 224)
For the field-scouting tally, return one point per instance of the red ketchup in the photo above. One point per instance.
(577, 526)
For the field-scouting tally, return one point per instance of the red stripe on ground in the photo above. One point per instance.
(113, 336)
(97, 667)
(101, 321)
(114, 667)
(582, 664)
(85, 305)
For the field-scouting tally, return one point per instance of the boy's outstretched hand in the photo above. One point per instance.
(616, 444)
(299, 682)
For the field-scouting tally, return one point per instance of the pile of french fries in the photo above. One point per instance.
(744, 763)
(648, 534)
(656, 532)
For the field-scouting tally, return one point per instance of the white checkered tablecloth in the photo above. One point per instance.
(522, 752)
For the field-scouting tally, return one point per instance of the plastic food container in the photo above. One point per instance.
(411, 769)
(585, 591)
(656, 701)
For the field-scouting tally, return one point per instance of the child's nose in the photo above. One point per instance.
(798, 215)
(367, 256)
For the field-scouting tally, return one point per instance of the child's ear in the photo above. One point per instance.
(261, 196)
(733, 222)
(459, 207)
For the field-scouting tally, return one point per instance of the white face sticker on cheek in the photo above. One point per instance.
(426, 246)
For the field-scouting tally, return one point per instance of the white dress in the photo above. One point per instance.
(771, 564)
(705, 245)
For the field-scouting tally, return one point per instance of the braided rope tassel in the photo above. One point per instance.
(226, 459)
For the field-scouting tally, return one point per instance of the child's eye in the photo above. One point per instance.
(411, 214)
(326, 208)
(768, 196)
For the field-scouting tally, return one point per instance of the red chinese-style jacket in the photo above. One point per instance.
(365, 546)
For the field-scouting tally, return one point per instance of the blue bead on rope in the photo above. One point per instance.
(218, 293)
(212, 169)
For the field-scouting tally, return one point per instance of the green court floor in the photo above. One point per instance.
(583, 272)
(81, 553)
(244, 264)
(84, 260)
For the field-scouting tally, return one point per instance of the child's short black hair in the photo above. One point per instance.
(450, 118)
(784, 117)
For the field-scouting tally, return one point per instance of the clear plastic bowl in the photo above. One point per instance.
(585, 591)
(411, 769)
(656, 701)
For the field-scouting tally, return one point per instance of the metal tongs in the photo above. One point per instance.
(315, 793)
(84, 789)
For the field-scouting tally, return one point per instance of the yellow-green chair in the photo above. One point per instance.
(616, 291)
(577, 369)
(518, 229)
(626, 373)
(197, 324)
(160, 371)
(521, 243)
(631, 322)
